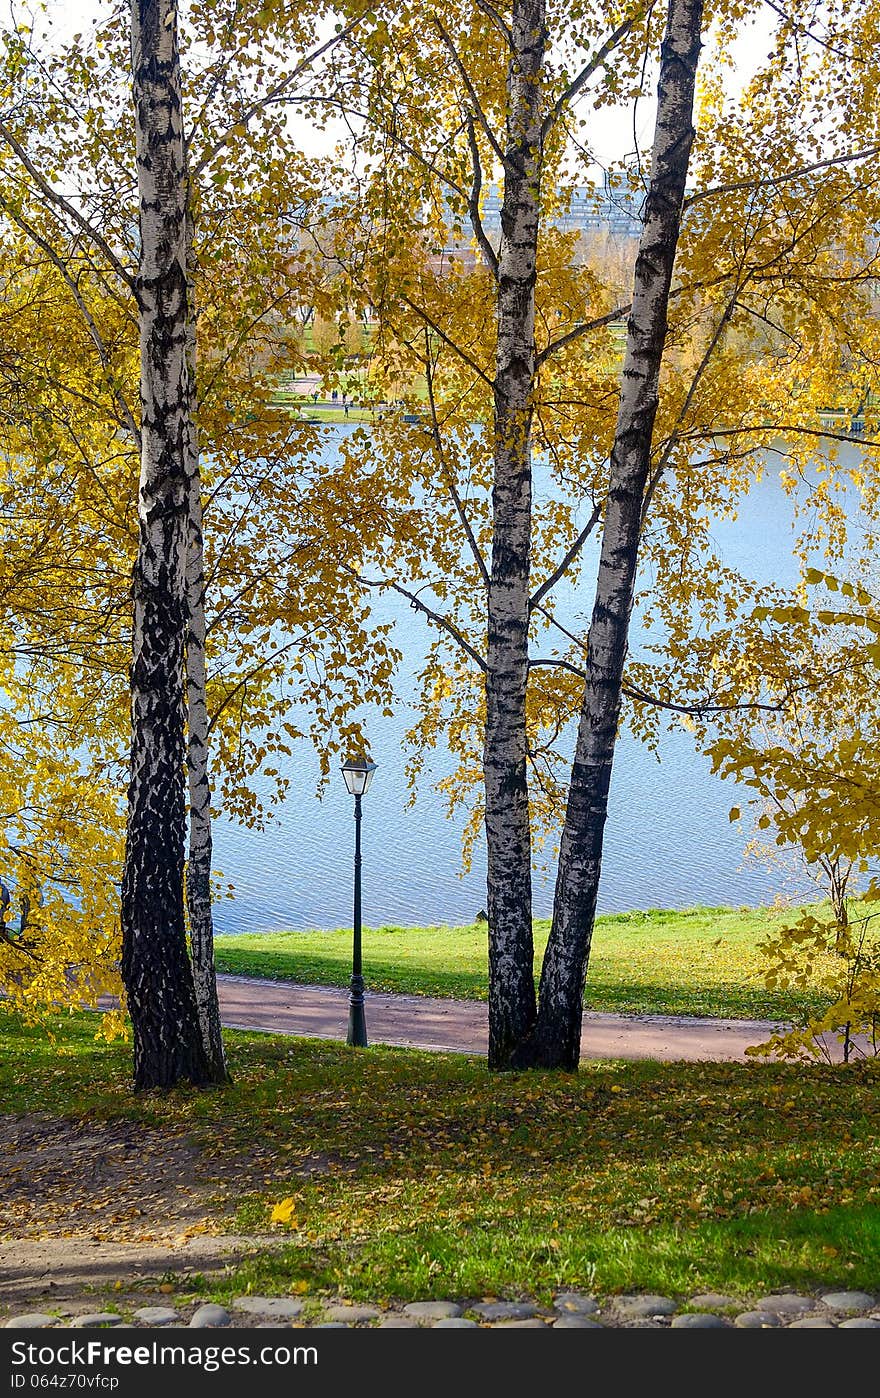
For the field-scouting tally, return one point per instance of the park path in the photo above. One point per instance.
(461, 1026)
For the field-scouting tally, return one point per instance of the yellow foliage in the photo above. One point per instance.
(841, 964)
(285, 1212)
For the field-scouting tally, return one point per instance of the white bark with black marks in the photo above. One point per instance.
(198, 865)
(155, 965)
(508, 838)
(555, 1041)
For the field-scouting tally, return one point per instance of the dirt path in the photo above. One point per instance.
(461, 1026)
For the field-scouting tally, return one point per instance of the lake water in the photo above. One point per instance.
(669, 842)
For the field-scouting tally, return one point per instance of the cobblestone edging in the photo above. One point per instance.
(571, 1310)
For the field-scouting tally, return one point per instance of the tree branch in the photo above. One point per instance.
(450, 480)
(486, 248)
(67, 208)
(641, 696)
(583, 77)
(503, 29)
(771, 181)
(779, 427)
(471, 363)
(420, 606)
(572, 553)
(275, 94)
(673, 436)
(88, 318)
(471, 91)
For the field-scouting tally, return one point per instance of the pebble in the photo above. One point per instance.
(576, 1322)
(786, 1304)
(575, 1303)
(644, 1307)
(350, 1315)
(272, 1307)
(713, 1301)
(699, 1320)
(533, 1323)
(210, 1317)
(156, 1315)
(572, 1310)
(432, 1310)
(848, 1300)
(757, 1320)
(505, 1310)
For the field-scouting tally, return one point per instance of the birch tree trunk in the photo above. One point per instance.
(508, 838)
(555, 1041)
(198, 865)
(155, 966)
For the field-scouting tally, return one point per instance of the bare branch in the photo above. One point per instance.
(67, 208)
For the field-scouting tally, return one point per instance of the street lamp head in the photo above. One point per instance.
(358, 773)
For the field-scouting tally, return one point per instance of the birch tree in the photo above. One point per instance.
(168, 1044)
(265, 593)
(508, 826)
(512, 368)
(554, 1041)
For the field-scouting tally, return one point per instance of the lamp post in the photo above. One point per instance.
(357, 773)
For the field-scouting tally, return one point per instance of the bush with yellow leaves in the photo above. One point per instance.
(841, 961)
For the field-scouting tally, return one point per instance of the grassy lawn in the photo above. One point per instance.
(702, 961)
(319, 412)
(418, 1175)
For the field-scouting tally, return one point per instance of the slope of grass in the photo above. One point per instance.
(416, 1175)
(700, 961)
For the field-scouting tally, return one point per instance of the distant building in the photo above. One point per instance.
(610, 209)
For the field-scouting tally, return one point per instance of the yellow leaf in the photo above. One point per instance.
(284, 1212)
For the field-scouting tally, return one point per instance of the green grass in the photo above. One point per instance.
(701, 961)
(419, 1175)
(315, 412)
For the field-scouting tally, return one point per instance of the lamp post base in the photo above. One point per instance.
(357, 1022)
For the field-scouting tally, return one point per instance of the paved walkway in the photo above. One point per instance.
(461, 1026)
